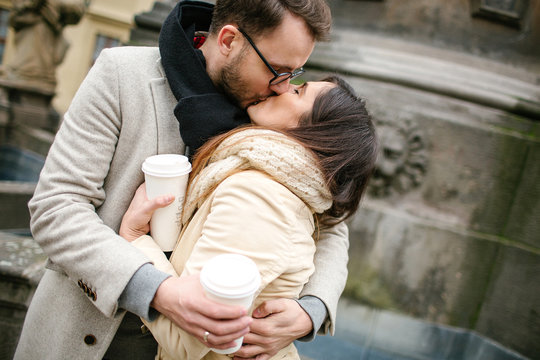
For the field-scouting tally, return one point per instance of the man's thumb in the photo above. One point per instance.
(160, 201)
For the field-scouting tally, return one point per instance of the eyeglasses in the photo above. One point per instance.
(278, 77)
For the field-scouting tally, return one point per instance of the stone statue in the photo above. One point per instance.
(39, 44)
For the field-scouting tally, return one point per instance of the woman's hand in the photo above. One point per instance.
(136, 220)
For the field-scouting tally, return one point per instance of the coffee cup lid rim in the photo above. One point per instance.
(166, 165)
(244, 287)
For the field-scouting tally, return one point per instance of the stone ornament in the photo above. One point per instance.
(402, 161)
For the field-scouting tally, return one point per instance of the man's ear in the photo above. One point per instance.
(228, 39)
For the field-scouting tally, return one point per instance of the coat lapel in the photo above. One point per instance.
(168, 132)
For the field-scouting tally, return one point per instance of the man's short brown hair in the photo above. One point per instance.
(258, 17)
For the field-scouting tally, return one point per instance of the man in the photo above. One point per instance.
(137, 102)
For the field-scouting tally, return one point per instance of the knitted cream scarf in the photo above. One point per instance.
(271, 152)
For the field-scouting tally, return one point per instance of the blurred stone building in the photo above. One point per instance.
(450, 229)
(106, 23)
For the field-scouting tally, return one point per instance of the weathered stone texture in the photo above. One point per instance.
(523, 221)
(510, 312)
(21, 266)
(432, 250)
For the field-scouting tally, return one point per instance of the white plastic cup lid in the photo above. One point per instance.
(166, 165)
(230, 276)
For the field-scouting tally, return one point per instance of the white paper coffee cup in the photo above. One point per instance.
(166, 174)
(231, 279)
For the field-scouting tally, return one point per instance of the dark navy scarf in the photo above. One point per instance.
(202, 111)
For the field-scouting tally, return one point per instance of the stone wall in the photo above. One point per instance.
(449, 229)
(26, 125)
(21, 266)
(507, 31)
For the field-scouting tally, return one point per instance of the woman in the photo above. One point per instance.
(264, 194)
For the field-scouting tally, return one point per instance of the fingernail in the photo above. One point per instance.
(167, 199)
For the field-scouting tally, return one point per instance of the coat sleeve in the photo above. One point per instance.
(63, 209)
(152, 250)
(257, 217)
(328, 280)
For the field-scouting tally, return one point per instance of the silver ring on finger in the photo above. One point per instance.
(205, 337)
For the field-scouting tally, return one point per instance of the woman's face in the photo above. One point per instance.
(284, 111)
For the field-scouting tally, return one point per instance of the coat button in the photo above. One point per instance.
(90, 339)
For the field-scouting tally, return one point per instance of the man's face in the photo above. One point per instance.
(246, 78)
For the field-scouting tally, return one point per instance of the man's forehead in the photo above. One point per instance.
(284, 54)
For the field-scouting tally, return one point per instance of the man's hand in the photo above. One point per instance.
(136, 220)
(276, 324)
(182, 300)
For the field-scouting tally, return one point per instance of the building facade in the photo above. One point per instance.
(106, 23)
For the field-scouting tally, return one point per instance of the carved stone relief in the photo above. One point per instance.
(402, 160)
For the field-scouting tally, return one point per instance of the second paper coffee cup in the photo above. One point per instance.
(231, 279)
(166, 174)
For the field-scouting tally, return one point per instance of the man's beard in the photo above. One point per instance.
(231, 83)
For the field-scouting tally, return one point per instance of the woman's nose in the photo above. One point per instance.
(281, 88)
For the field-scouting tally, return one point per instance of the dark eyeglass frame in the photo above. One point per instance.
(278, 77)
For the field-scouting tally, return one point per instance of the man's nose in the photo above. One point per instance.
(281, 88)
